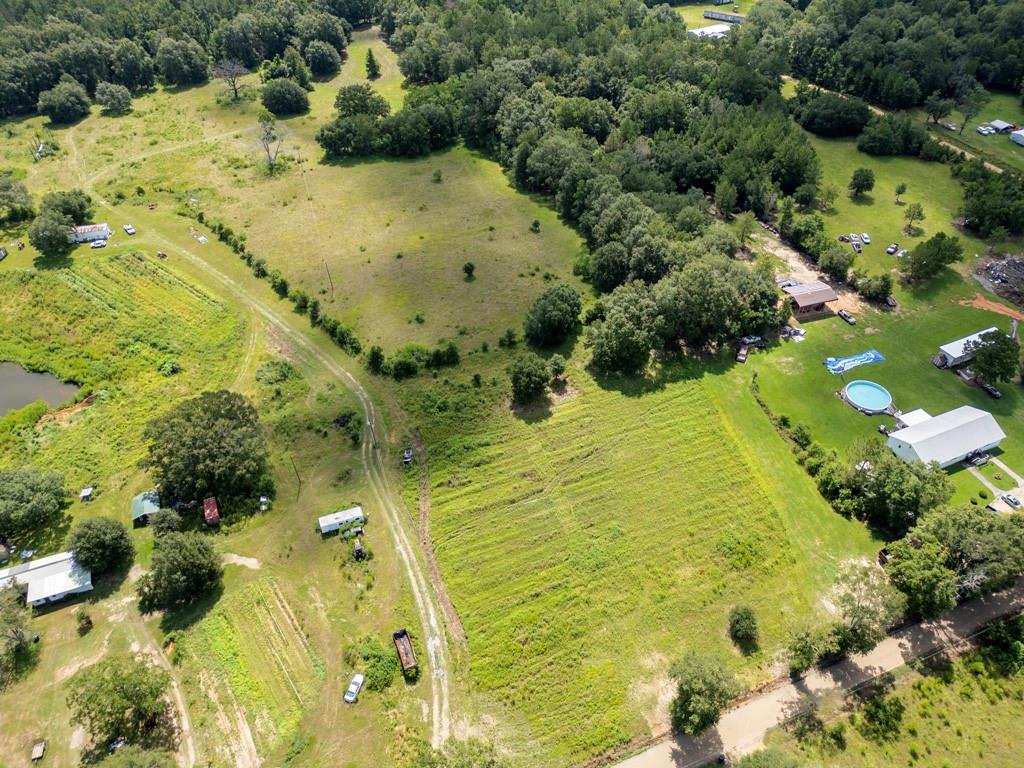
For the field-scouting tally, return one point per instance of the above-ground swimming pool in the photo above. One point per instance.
(867, 396)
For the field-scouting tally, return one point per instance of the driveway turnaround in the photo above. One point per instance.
(742, 729)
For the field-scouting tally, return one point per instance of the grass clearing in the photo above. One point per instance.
(693, 13)
(965, 713)
(581, 541)
(996, 149)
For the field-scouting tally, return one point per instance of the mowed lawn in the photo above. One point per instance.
(587, 544)
(997, 149)
(693, 13)
(793, 377)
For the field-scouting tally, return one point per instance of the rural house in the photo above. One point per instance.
(810, 298)
(88, 232)
(48, 579)
(955, 352)
(1001, 126)
(947, 438)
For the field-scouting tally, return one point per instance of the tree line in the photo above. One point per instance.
(58, 55)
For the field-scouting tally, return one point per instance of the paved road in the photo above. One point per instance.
(741, 730)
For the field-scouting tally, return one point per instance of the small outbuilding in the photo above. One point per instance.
(38, 750)
(211, 511)
(144, 505)
(48, 579)
(341, 521)
(947, 438)
(810, 298)
(956, 353)
(89, 232)
(1001, 126)
(85, 494)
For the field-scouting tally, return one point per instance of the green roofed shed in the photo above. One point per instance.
(144, 505)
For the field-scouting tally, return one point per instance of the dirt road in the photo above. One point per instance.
(372, 457)
(741, 730)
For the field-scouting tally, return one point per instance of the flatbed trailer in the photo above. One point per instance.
(406, 655)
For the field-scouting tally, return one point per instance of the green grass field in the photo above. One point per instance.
(693, 13)
(793, 377)
(996, 149)
(965, 713)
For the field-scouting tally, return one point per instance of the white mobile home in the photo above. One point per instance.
(955, 353)
(341, 521)
(947, 438)
(48, 579)
(713, 32)
(89, 232)
(1017, 137)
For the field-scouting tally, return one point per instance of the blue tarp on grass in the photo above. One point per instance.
(843, 364)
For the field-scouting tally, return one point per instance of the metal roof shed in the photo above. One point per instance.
(947, 438)
(144, 505)
(955, 352)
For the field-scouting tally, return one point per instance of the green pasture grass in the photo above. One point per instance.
(963, 713)
(389, 84)
(877, 213)
(584, 543)
(693, 13)
(996, 149)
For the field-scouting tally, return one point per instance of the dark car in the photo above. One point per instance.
(857, 247)
(992, 391)
(847, 317)
(741, 353)
(844, 239)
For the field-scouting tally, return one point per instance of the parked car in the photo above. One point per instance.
(854, 237)
(129, 229)
(353, 689)
(752, 341)
(844, 239)
(901, 253)
(1012, 500)
(950, 126)
(741, 353)
(866, 238)
(893, 247)
(98, 244)
(847, 317)
(857, 247)
(992, 391)
(890, 301)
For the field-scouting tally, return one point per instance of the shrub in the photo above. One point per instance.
(115, 99)
(283, 96)
(381, 664)
(83, 620)
(743, 627)
(66, 102)
(322, 58)
(529, 376)
(704, 688)
(101, 544)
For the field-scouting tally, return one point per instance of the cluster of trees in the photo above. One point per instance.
(828, 114)
(58, 213)
(899, 54)
(407, 361)
(30, 500)
(993, 202)
(212, 444)
(65, 52)
(364, 125)
(953, 554)
(996, 356)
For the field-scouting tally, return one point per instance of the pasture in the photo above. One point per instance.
(588, 542)
(963, 712)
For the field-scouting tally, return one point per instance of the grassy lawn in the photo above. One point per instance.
(793, 376)
(693, 13)
(964, 713)
(997, 149)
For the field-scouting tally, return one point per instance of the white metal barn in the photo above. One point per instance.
(955, 353)
(88, 232)
(947, 438)
(340, 521)
(48, 579)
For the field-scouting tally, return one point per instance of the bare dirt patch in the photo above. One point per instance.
(653, 693)
(564, 391)
(69, 669)
(63, 416)
(800, 268)
(981, 302)
(78, 737)
(277, 343)
(246, 562)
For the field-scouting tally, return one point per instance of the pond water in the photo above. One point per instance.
(19, 387)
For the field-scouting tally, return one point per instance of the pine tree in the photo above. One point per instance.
(372, 67)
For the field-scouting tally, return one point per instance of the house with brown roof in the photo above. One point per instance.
(810, 299)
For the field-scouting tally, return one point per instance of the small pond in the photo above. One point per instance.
(19, 387)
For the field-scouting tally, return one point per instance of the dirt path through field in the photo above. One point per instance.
(982, 302)
(451, 616)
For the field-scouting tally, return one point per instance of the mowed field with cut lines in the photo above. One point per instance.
(586, 546)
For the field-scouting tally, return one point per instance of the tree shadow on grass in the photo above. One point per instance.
(863, 200)
(533, 412)
(930, 290)
(61, 260)
(185, 616)
(670, 369)
(22, 661)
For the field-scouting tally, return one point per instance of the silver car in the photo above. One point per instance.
(353, 689)
(1012, 500)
